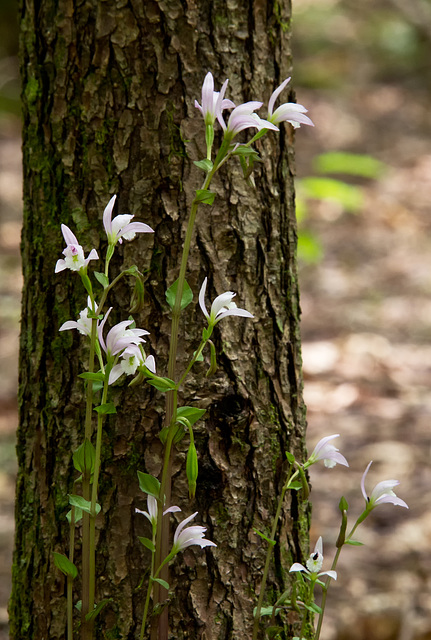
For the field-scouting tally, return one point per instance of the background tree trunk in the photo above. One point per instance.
(108, 102)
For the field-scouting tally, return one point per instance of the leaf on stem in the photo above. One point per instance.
(163, 583)
(97, 609)
(106, 409)
(65, 565)
(206, 165)
(354, 543)
(191, 413)
(84, 457)
(101, 279)
(149, 544)
(161, 384)
(204, 196)
(171, 293)
(82, 503)
(78, 515)
(149, 484)
(262, 535)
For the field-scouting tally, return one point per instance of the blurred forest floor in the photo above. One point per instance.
(363, 71)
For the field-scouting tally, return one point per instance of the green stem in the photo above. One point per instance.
(328, 578)
(286, 486)
(69, 578)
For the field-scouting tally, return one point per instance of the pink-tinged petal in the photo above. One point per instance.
(285, 113)
(392, 500)
(202, 298)
(364, 493)
(116, 372)
(68, 236)
(93, 255)
(223, 300)
(320, 445)
(331, 574)
(100, 330)
(172, 509)
(275, 95)
(183, 524)
(298, 567)
(319, 546)
(235, 312)
(150, 363)
(60, 265)
(207, 93)
(107, 215)
(136, 227)
(70, 324)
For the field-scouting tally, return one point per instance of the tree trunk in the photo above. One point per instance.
(108, 103)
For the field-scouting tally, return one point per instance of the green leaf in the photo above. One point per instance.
(262, 535)
(313, 607)
(84, 457)
(65, 565)
(204, 196)
(82, 503)
(78, 515)
(295, 486)
(246, 151)
(162, 384)
(163, 583)
(178, 435)
(101, 279)
(78, 605)
(186, 298)
(97, 609)
(213, 362)
(92, 376)
(206, 165)
(193, 414)
(147, 543)
(354, 543)
(353, 164)
(106, 409)
(290, 457)
(192, 469)
(273, 632)
(149, 484)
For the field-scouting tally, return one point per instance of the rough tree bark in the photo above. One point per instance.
(108, 103)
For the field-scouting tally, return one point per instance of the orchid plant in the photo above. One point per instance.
(123, 349)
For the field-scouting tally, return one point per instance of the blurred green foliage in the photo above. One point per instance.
(349, 197)
(336, 41)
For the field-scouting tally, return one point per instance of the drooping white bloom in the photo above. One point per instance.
(382, 492)
(74, 258)
(120, 336)
(243, 117)
(83, 324)
(131, 358)
(186, 536)
(152, 506)
(314, 563)
(121, 226)
(327, 452)
(287, 112)
(221, 307)
(213, 102)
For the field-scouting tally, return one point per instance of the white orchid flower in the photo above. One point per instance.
(74, 258)
(243, 117)
(213, 102)
(152, 506)
(121, 226)
(131, 358)
(83, 324)
(120, 336)
(186, 536)
(314, 564)
(327, 452)
(221, 307)
(287, 112)
(382, 492)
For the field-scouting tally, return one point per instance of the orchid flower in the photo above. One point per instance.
(326, 452)
(243, 117)
(121, 226)
(221, 307)
(213, 102)
(186, 536)
(83, 324)
(287, 112)
(74, 254)
(132, 358)
(382, 492)
(314, 564)
(152, 506)
(120, 336)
